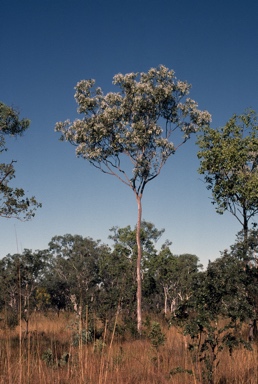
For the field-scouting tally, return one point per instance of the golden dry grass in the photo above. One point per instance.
(130, 361)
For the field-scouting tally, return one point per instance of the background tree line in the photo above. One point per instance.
(75, 273)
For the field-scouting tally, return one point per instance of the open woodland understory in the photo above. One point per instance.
(51, 353)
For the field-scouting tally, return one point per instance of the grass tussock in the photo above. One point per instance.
(49, 353)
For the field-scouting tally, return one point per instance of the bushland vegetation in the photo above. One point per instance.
(68, 313)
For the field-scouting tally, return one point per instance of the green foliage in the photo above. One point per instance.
(222, 302)
(208, 339)
(83, 337)
(49, 358)
(120, 266)
(75, 265)
(99, 345)
(10, 124)
(125, 239)
(229, 159)
(118, 288)
(131, 326)
(177, 370)
(11, 318)
(13, 202)
(79, 274)
(42, 298)
(173, 276)
(21, 275)
(156, 336)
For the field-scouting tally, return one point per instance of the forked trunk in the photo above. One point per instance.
(138, 266)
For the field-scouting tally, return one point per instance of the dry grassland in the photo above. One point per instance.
(47, 355)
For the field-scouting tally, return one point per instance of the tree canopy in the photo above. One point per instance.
(137, 122)
(229, 161)
(13, 202)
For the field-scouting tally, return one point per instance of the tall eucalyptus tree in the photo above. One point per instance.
(137, 125)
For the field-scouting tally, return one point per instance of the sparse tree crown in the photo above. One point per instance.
(137, 122)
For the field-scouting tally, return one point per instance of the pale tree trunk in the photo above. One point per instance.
(165, 299)
(173, 306)
(245, 230)
(138, 266)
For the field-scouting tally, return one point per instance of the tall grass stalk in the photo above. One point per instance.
(102, 360)
(111, 342)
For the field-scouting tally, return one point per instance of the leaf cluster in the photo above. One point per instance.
(229, 160)
(13, 202)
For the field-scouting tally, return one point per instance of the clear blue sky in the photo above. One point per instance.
(47, 46)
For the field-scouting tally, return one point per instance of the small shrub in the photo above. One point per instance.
(47, 356)
(99, 345)
(84, 337)
(64, 359)
(156, 336)
(11, 318)
(176, 370)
